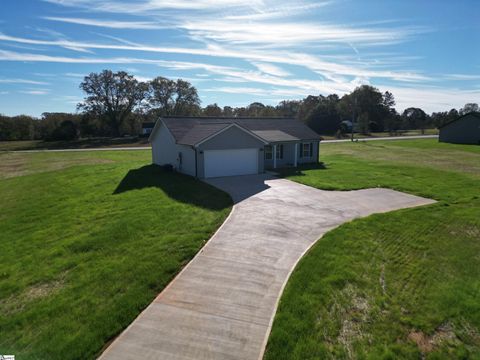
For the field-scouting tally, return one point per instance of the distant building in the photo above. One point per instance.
(463, 130)
(147, 128)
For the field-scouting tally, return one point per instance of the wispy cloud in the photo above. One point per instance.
(432, 98)
(35, 92)
(148, 6)
(466, 77)
(328, 69)
(113, 24)
(22, 81)
(284, 34)
(271, 69)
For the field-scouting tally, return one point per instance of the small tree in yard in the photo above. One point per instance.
(112, 97)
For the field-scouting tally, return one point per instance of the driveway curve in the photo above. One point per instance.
(221, 306)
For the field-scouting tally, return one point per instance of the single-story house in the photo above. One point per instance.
(147, 128)
(207, 147)
(463, 130)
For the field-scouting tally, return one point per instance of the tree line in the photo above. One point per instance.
(117, 104)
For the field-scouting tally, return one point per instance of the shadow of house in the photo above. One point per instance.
(180, 187)
(241, 187)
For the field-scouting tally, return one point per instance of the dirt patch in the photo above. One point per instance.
(17, 303)
(353, 310)
(444, 334)
(43, 290)
(12, 165)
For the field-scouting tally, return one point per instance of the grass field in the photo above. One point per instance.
(86, 143)
(87, 240)
(402, 285)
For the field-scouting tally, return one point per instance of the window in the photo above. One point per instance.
(268, 152)
(279, 151)
(306, 150)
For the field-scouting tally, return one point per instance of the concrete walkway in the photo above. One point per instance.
(221, 306)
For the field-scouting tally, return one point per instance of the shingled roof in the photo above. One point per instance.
(192, 130)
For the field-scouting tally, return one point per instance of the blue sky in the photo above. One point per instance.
(236, 51)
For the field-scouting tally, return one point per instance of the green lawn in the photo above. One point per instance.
(402, 285)
(87, 240)
(99, 142)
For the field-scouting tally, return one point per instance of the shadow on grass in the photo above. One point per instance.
(177, 186)
(299, 170)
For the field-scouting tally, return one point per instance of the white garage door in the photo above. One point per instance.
(230, 162)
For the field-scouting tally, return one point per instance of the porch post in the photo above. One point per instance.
(296, 152)
(275, 156)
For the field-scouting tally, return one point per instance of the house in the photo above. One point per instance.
(207, 147)
(147, 128)
(463, 130)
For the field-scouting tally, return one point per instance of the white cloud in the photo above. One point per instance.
(328, 69)
(143, 25)
(35, 92)
(283, 34)
(271, 69)
(149, 6)
(431, 98)
(465, 77)
(22, 81)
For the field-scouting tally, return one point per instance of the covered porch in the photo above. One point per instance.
(290, 154)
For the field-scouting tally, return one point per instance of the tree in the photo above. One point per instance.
(112, 97)
(288, 108)
(392, 121)
(255, 109)
(162, 95)
(227, 111)
(468, 108)
(67, 130)
(415, 118)
(212, 110)
(324, 117)
(187, 101)
(169, 97)
(365, 102)
(388, 100)
(22, 127)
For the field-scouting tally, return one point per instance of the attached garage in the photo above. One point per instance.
(207, 147)
(230, 162)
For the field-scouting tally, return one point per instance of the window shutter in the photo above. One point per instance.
(281, 151)
(311, 149)
(301, 150)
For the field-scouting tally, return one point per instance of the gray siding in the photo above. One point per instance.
(165, 151)
(232, 138)
(163, 147)
(463, 131)
(188, 160)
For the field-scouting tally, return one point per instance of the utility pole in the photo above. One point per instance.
(353, 113)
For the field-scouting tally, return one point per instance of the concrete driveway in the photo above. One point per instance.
(221, 306)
